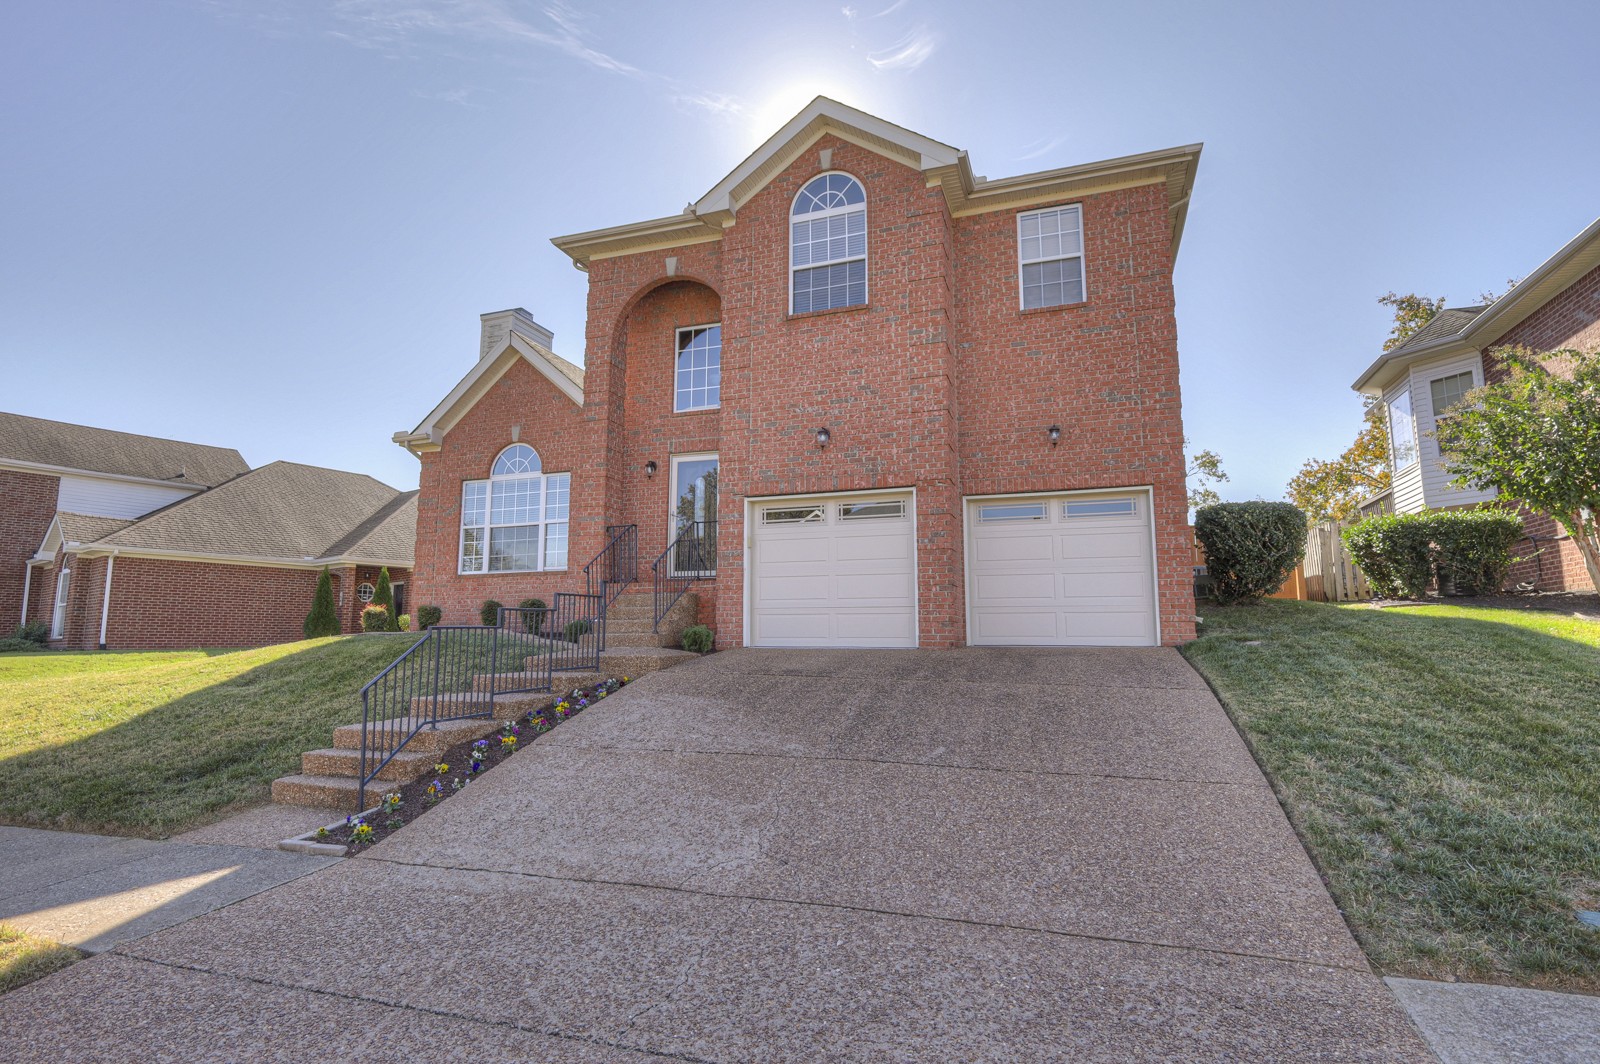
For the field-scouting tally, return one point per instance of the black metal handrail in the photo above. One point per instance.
(434, 680)
(564, 637)
(617, 564)
(691, 556)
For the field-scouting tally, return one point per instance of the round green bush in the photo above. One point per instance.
(489, 613)
(533, 611)
(698, 639)
(576, 630)
(405, 622)
(1251, 547)
(374, 619)
(428, 616)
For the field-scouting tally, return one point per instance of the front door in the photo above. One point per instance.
(694, 514)
(58, 616)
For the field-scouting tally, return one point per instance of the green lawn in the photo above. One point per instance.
(25, 957)
(1442, 765)
(151, 743)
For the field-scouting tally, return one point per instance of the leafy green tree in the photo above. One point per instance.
(1534, 436)
(1203, 470)
(323, 620)
(1411, 313)
(383, 596)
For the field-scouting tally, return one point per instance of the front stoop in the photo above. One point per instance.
(630, 620)
(327, 778)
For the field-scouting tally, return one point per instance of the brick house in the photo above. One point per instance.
(858, 395)
(197, 548)
(1556, 306)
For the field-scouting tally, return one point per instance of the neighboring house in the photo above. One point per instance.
(233, 566)
(1556, 306)
(866, 397)
(50, 467)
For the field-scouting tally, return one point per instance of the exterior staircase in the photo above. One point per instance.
(630, 620)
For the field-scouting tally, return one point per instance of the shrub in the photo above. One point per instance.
(489, 613)
(1472, 549)
(1251, 547)
(17, 643)
(374, 618)
(405, 622)
(576, 630)
(33, 632)
(1467, 551)
(383, 595)
(698, 639)
(323, 620)
(428, 616)
(533, 611)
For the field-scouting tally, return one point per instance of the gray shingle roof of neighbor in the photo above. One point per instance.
(284, 511)
(86, 528)
(58, 443)
(1448, 322)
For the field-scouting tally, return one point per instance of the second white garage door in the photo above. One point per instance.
(1060, 570)
(837, 571)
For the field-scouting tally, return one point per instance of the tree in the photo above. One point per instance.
(1534, 436)
(384, 596)
(1411, 313)
(1203, 469)
(324, 616)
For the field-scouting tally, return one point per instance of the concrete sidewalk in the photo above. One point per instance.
(917, 855)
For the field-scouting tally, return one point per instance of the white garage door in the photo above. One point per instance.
(833, 572)
(1060, 570)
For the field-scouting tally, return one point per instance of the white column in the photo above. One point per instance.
(105, 602)
(27, 583)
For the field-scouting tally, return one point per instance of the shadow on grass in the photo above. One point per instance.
(169, 764)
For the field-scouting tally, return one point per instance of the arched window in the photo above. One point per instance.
(516, 521)
(828, 244)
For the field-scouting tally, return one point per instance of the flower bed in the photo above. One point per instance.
(459, 766)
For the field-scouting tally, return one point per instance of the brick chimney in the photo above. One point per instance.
(498, 324)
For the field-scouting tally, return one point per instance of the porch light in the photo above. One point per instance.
(823, 436)
(1055, 434)
(650, 468)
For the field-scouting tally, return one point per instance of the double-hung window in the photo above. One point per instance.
(1050, 257)
(828, 244)
(516, 521)
(1448, 392)
(698, 378)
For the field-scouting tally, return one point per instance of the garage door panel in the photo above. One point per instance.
(1101, 545)
(789, 591)
(1017, 627)
(879, 547)
(1124, 587)
(889, 588)
(1015, 587)
(884, 628)
(1006, 547)
(790, 549)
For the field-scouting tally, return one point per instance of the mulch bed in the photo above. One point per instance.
(458, 767)
(1575, 603)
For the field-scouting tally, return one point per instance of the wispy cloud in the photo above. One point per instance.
(908, 53)
(1039, 147)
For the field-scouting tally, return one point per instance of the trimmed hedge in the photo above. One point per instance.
(533, 614)
(1251, 547)
(428, 616)
(1467, 552)
(576, 630)
(375, 618)
(489, 613)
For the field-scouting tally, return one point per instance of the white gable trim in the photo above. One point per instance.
(429, 435)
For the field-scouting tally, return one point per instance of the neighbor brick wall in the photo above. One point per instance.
(27, 503)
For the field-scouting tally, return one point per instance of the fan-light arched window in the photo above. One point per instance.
(828, 244)
(516, 521)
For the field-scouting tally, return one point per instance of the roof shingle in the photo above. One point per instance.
(58, 443)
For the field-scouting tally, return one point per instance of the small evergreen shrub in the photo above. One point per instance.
(323, 620)
(698, 639)
(576, 630)
(374, 618)
(1251, 547)
(428, 616)
(1467, 552)
(489, 613)
(33, 632)
(533, 611)
(383, 595)
(17, 643)
(405, 622)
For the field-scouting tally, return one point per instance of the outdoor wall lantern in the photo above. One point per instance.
(1055, 434)
(823, 436)
(650, 468)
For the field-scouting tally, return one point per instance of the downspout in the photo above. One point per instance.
(27, 583)
(105, 602)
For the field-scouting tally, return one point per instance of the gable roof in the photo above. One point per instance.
(86, 528)
(568, 379)
(1462, 329)
(944, 166)
(59, 445)
(285, 513)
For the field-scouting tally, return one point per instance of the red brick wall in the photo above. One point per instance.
(553, 426)
(350, 579)
(27, 503)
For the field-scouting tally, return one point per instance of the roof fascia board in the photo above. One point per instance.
(1380, 375)
(476, 383)
(1575, 258)
(19, 466)
(53, 540)
(96, 550)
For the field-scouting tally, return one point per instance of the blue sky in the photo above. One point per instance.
(272, 224)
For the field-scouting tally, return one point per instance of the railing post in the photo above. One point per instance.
(361, 780)
(494, 654)
(433, 698)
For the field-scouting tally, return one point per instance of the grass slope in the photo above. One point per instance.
(1440, 763)
(25, 957)
(151, 743)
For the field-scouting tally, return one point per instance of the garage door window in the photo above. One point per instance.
(1102, 508)
(864, 511)
(791, 515)
(1012, 511)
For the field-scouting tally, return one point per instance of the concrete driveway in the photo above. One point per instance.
(781, 855)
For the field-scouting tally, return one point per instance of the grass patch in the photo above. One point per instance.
(25, 957)
(152, 743)
(1440, 764)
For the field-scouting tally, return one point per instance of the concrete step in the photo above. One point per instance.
(561, 681)
(403, 767)
(434, 740)
(634, 661)
(321, 792)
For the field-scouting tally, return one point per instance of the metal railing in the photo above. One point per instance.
(435, 680)
(690, 557)
(617, 564)
(565, 637)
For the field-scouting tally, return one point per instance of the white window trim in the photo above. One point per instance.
(1395, 469)
(677, 353)
(866, 257)
(488, 521)
(673, 461)
(1082, 256)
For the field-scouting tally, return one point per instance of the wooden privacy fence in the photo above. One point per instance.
(1331, 574)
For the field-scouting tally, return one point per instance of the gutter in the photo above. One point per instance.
(105, 601)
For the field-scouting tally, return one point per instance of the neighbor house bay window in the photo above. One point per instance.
(516, 521)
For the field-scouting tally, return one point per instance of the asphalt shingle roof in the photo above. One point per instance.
(57, 443)
(284, 511)
(1448, 322)
(86, 528)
